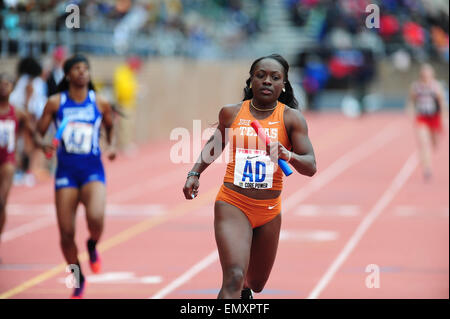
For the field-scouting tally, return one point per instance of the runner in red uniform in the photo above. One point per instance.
(427, 105)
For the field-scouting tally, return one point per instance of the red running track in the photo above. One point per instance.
(367, 205)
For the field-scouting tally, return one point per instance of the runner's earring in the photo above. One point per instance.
(284, 90)
(250, 86)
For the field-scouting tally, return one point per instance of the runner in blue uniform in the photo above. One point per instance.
(80, 176)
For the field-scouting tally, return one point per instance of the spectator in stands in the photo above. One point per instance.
(57, 72)
(29, 95)
(125, 89)
(315, 77)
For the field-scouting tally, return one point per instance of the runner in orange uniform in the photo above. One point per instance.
(247, 209)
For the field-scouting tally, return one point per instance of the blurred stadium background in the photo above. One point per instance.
(203, 49)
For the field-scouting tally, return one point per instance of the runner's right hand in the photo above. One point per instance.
(191, 186)
(49, 150)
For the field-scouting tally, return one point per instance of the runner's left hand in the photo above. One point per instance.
(111, 153)
(276, 150)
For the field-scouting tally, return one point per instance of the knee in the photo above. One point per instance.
(95, 224)
(234, 279)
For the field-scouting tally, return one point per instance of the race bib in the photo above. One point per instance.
(426, 105)
(7, 135)
(253, 169)
(77, 137)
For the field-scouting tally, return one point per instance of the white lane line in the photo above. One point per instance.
(314, 235)
(309, 210)
(398, 182)
(419, 211)
(347, 160)
(30, 209)
(119, 277)
(406, 210)
(143, 161)
(381, 139)
(148, 186)
(118, 196)
(188, 275)
(328, 210)
(111, 210)
(47, 211)
(344, 162)
(27, 228)
(348, 210)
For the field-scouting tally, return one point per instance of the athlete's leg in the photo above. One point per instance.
(6, 178)
(66, 200)
(263, 252)
(434, 134)
(233, 234)
(424, 141)
(93, 197)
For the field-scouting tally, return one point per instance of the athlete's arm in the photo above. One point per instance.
(409, 107)
(302, 157)
(212, 149)
(443, 107)
(217, 140)
(44, 121)
(108, 124)
(25, 121)
(46, 118)
(26, 125)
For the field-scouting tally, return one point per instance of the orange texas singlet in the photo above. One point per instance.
(249, 165)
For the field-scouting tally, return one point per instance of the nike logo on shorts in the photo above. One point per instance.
(62, 181)
(270, 123)
(272, 207)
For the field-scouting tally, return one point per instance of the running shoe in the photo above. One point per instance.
(246, 293)
(78, 292)
(94, 258)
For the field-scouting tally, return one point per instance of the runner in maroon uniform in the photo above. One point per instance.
(10, 122)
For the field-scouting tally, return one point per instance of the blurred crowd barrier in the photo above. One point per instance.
(171, 91)
(193, 56)
(196, 53)
(216, 29)
(192, 28)
(174, 91)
